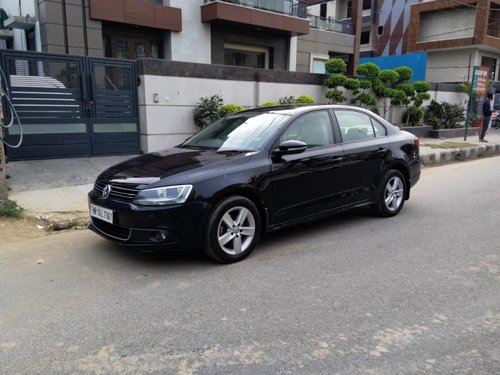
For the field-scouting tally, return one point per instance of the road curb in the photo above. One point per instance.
(440, 156)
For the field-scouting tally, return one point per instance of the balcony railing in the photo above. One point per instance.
(295, 8)
(331, 25)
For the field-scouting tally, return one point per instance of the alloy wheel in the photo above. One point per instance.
(236, 230)
(393, 195)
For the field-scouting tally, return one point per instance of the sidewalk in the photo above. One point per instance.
(61, 185)
(431, 155)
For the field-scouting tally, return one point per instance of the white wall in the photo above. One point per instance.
(169, 121)
(193, 43)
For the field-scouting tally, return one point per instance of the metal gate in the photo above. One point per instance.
(71, 105)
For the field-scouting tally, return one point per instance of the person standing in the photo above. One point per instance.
(486, 116)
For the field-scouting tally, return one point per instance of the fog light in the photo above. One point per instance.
(160, 236)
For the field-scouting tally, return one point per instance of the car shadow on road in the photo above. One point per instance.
(270, 242)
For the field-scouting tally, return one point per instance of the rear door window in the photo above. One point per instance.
(356, 126)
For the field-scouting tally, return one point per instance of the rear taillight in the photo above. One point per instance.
(417, 143)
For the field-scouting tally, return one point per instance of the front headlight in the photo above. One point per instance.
(163, 195)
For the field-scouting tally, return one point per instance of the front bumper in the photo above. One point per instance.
(180, 226)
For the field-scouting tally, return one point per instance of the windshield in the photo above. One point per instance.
(244, 132)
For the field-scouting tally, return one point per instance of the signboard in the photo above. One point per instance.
(480, 80)
(479, 85)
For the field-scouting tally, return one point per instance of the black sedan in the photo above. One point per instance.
(253, 172)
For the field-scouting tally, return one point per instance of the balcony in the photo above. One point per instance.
(327, 24)
(287, 16)
(149, 13)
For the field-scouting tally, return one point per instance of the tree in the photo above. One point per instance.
(337, 79)
(384, 88)
(367, 72)
(415, 95)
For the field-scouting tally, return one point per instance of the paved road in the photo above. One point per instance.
(416, 294)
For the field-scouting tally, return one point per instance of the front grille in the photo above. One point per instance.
(114, 231)
(118, 192)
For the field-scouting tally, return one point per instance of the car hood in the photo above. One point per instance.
(184, 164)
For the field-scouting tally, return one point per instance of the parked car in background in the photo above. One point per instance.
(253, 172)
(495, 119)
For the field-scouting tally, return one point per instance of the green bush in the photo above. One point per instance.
(364, 100)
(336, 66)
(230, 108)
(421, 86)
(364, 84)
(388, 76)
(444, 115)
(414, 115)
(10, 208)
(404, 72)
(270, 104)
(352, 84)
(207, 110)
(335, 80)
(335, 96)
(305, 99)
(369, 70)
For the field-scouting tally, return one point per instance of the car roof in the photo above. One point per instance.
(292, 109)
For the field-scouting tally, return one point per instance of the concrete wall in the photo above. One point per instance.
(446, 25)
(179, 86)
(321, 42)
(192, 44)
(451, 65)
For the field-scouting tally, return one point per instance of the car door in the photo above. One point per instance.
(306, 184)
(365, 145)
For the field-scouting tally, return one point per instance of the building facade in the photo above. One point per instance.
(295, 35)
(457, 36)
(269, 34)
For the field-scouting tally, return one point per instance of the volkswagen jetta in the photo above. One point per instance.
(253, 172)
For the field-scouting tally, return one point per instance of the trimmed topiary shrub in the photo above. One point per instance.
(336, 66)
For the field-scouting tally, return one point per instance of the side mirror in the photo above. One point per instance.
(291, 147)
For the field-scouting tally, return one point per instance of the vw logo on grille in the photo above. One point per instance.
(106, 191)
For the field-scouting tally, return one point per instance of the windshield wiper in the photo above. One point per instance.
(230, 151)
(191, 147)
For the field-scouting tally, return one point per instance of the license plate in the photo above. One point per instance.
(101, 213)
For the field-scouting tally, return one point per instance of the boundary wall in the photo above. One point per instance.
(169, 90)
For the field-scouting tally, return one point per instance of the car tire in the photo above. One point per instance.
(391, 194)
(233, 230)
